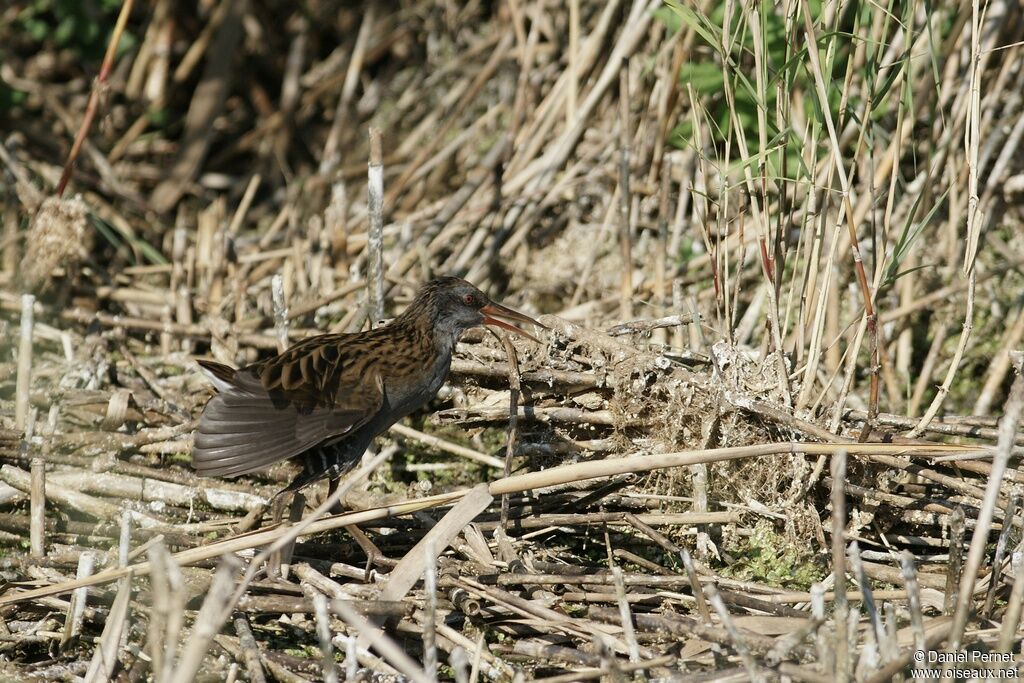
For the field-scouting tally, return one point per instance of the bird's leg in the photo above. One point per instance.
(332, 486)
(282, 558)
(276, 513)
(295, 514)
(277, 505)
(373, 554)
(307, 476)
(310, 473)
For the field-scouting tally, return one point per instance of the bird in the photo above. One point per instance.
(325, 399)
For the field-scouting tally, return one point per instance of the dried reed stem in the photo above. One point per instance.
(24, 380)
(76, 608)
(37, 509)
(280, 312)
(375, 242)
(95, 94)
(625, 197)
(1008, 424)
(842, 657)
(323, 632)
(430, 610)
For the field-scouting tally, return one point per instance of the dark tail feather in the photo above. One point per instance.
(235, 439)
(244, 429)
(222, 376)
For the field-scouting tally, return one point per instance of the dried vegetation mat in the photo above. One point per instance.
(771, 431)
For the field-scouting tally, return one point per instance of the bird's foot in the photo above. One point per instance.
(279, 562)
(374, 557)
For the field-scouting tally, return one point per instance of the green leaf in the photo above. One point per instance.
(36, 29)
(712, 35)
(65, 31)
(705, 77)
(159, 117)
(10, 97)
(681, 135)
(908, 236)
(669, 18)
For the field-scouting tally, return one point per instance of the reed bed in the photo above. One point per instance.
(771, 431)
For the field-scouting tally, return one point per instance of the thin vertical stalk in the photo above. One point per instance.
(323, 632)
(822, 642)
(957, 528)
(24, 379)
(625, 198)
(331, 156)
(430, 610)
(250, 650)
(913, 599)
(98, 86)
(124, 540)
(842, 657)
(336, 227)
(625, 615)
(997, 562)
(661, 248)
(574, 48)
(280, 312)
(737, 641)
(845, 210)
(979, 540)
(459, 661)
(351, 659)
(876, 632)
(76, 607)
(208, 623)
(1011, 617)
(37, 509)
(974, 223)
(375, 240)
(695, 587)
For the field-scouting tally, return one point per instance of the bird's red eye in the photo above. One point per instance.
(469, 299)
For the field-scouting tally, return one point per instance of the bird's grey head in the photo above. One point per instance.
(454, 304)
(450, 306)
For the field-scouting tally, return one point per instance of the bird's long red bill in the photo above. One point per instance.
(493, 309)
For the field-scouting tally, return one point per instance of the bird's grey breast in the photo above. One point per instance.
(404, 395)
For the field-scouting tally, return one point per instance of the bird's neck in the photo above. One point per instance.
(427, 331)
(445, 339)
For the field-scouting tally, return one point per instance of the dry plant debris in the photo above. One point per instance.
(772, 431)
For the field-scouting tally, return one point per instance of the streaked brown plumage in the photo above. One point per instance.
(327, 397)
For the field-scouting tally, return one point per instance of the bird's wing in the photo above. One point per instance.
(274, 410)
